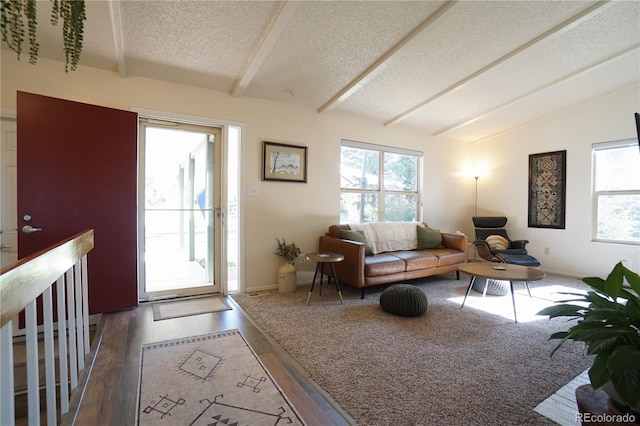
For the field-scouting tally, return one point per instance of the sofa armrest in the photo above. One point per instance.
(455, 241)
(351, 269)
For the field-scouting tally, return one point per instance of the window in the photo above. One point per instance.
(379, 183)
(616, 192)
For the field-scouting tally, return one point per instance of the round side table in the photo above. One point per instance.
(321, 259)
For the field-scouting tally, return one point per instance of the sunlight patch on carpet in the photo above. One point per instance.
(526, 307)
(210, 379)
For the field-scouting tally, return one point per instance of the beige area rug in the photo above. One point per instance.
(451, 366)
(213, 379)
(185, 308)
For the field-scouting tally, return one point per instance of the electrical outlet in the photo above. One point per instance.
(546, 250)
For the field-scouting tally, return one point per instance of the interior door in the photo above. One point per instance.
(76, 170)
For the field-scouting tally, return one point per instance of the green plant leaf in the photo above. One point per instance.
(624, 365)
(562, 310)
(633, 279)
(595, 282)
(598, 373)
(613, 283)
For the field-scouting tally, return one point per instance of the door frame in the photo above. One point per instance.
(220, 242)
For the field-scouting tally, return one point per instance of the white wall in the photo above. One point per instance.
(298, 212)
(504, 189)
(302, 212)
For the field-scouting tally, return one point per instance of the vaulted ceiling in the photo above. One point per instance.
(462, 69)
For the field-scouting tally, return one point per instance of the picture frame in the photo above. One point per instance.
(284, 162)
(547, 190)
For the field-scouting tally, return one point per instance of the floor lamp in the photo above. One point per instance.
(476, 178)
(475, 249)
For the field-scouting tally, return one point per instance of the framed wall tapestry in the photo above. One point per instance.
(284, 162)
(547, 189)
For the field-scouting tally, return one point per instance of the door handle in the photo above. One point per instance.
(28, 229)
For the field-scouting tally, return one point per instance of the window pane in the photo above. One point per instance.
(400, 172)
(617, 169)
(358, 207)
(619, 217)
(400, 207)
(359, 168)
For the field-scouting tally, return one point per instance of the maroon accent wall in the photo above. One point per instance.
(77, 168)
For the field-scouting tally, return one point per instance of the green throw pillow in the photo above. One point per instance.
(359, 237)
(428, 238)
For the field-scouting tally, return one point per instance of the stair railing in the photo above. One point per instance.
(21, 284)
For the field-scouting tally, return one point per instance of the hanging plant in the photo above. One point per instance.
(14, 12)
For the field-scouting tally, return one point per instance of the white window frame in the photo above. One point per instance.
(625, 143)
(381, 192)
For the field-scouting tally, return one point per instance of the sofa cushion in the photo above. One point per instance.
(417, 259)
(448, 257)
(383, 264)
(428, 238)
(359, 237)
(497, 242)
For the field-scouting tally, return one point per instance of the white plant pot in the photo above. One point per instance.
(287, 278)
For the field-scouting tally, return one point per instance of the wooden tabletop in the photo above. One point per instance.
(325, 257)
(508, 273)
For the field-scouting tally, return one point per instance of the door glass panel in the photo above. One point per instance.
(179, 215)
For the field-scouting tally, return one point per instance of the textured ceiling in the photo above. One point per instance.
(467, 70)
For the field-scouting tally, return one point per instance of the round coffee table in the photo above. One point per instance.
(502, 272)
(321, 259)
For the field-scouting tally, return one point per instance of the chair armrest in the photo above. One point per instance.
(351, 269)
(484, 250)
(455, 241)
(519, 244)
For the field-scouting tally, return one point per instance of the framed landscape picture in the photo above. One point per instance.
(547, 189)
(284, 162)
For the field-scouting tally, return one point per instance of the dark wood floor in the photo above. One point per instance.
(110, 397)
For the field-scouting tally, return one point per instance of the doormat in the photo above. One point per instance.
(185, 308)
(210, 379)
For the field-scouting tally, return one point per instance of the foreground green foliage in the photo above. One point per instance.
(13, 13)
(609, 325)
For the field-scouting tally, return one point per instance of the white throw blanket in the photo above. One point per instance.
(389, 236)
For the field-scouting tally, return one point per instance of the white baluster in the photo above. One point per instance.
(85, 305)
(73, 360)
(79, 321)
(7, 404)
(33, 387)
(49, 356)
(62, 347)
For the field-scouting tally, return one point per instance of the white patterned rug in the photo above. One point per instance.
(213, 379)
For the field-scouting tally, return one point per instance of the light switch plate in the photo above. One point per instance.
(253, 191)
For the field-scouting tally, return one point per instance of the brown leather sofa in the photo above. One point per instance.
(362, 271)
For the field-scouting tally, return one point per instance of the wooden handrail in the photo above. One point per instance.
(25, 280)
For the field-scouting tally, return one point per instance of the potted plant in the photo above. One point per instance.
(287, 272)
(609, 325)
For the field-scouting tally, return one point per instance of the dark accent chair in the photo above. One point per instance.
(516, 253)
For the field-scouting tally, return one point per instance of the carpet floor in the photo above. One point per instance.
(473, 365)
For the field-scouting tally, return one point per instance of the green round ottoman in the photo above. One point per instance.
(405, 300)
